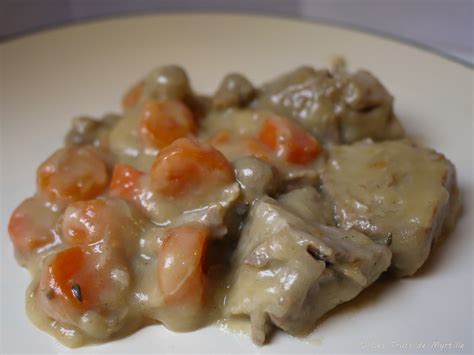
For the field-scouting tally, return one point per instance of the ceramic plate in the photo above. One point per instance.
(52, 76)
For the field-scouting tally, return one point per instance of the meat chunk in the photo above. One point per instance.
(394, 192)
(255, 177)
(289, 273)
(234, 91)
(172, 82)
(168, 82)
(307, 203)
(87, 130)
(335, 107)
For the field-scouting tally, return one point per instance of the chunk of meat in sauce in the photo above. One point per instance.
(333, 106)
(289, 272)
(89, 131)
(256, 178)
(394, 192)
(170, 82)
(235, 90)
(309, 204)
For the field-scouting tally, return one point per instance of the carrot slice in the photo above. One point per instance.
(76, 280)
(180, 264)
(72, 174)
(162, 122)
(109, 221)
(258, 149)
(187, 166)
(87, 222)
(289, 141)
(61, 276)
(133, 95)
(31, 226)
(125, 181)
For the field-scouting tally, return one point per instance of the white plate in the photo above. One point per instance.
(52, 76)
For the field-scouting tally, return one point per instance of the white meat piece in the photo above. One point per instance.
(289, 273)
(334, 106)
(393, 191)
(307, 203)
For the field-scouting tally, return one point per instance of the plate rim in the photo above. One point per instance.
(41, 29)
